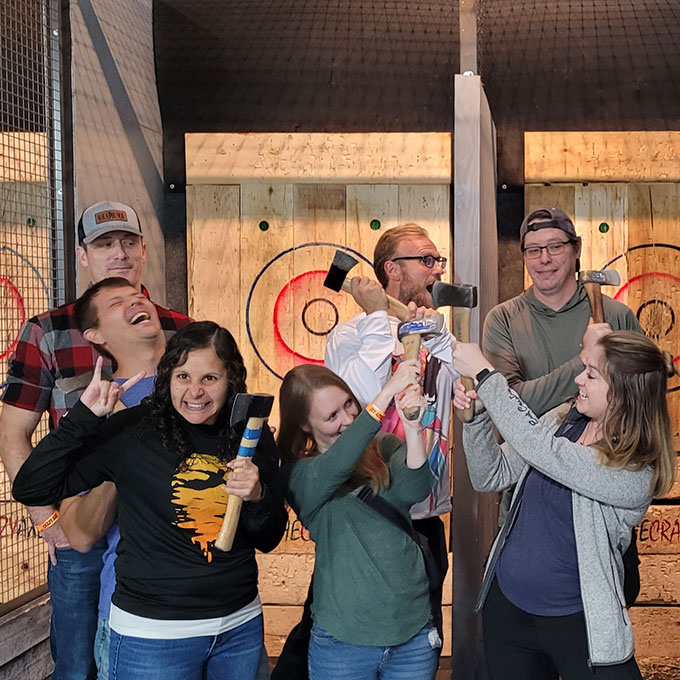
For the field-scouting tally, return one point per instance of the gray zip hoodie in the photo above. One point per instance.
(607, 503)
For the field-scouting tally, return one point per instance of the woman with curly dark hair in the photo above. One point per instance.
(182, 610)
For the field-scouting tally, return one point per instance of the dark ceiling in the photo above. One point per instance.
(358, 65)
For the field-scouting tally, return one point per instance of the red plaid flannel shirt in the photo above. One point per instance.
(53, 363)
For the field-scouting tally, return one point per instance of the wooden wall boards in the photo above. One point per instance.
(265, 214)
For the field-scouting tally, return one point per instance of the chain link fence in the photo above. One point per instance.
(31, 246)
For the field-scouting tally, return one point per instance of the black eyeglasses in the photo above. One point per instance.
(427, 260)
(534, 252)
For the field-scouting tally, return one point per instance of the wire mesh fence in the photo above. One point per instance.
(31, 250)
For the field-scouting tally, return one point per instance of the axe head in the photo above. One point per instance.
(603, 277)
(454, 295)
(426, 327)
(247, 406)
(342, 263)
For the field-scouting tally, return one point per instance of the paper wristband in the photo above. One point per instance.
(375, 412)
(52, 519)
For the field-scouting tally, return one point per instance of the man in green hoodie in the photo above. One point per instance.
(536, 339)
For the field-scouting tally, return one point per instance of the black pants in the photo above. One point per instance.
(523, 646)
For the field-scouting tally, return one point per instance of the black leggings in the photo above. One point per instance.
(523, 646)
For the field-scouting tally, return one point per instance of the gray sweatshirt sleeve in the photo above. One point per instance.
(492, 467)
(577, 467)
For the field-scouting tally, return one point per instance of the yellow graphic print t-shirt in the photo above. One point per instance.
(199, 499)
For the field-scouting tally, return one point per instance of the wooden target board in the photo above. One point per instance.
(622, 191)
(25, 271)
(265, 216)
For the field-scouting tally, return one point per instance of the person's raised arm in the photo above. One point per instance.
(360, 351)
(54, 470)
(315, 479)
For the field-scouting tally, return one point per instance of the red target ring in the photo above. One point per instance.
(663, 307)
(16, 306)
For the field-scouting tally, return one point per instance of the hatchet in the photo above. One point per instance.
(463, 298)
(256, 408)
(593, 280)
(337, 280)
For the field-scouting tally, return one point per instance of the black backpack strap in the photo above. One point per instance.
(391, 514)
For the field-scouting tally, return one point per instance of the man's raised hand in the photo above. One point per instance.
(101, 396)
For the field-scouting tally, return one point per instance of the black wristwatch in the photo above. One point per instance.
(482, 374)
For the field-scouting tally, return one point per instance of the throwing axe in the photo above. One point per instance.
(337, 280)
(256, 409)
(593, 280)
(411, 333)
(462, 297)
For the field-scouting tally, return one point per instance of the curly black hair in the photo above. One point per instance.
(169, 425)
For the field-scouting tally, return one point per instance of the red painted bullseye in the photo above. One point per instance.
(301, 285)
(11, 291)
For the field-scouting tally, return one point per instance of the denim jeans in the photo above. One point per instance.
(102, 644)
(415, 659)
(234, 655)
(74, 591)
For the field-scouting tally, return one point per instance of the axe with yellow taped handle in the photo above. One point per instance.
(256, 408)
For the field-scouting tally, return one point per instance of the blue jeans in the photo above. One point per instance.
(234, 655)
(415, 659)
(74, 591)
(102, 644)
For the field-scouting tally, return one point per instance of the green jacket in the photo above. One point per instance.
(370, 586)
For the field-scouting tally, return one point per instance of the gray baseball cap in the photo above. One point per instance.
(544, 218)
(105, 216)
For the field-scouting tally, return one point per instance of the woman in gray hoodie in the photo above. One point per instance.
(585, 475)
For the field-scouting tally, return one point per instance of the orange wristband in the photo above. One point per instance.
(52, 519)
(375, 412)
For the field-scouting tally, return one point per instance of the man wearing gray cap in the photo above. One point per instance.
(537, 339)
(51, 365)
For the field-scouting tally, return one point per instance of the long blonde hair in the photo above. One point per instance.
(636, 427)
(295, 399)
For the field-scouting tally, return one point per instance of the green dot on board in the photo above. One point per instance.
(375, 225)
(604, 227)
(264, 225)
(30, 221)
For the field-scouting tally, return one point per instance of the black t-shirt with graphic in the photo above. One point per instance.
(167, 566)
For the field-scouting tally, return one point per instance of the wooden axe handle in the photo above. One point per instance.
(399, 309)
(461, 329)
(594, 291)
(411, 351)
(225, 539)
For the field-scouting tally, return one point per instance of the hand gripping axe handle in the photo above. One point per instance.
(411, 333)
(256, 408)
(337, 280)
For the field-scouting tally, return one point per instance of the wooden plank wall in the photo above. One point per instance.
(615, 188)
(25, 273)
(265, 214)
